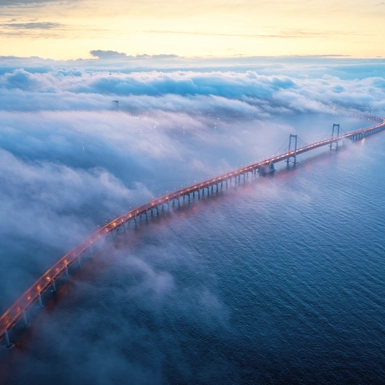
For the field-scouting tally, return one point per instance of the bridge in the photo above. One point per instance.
(18, 311)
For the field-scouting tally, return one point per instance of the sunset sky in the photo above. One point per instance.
(62, 29)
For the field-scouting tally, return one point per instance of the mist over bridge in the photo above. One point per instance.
(18, 311)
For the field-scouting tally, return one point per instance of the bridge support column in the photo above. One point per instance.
(53, 285)
(295, 140)
(40, 300)
(67, 274)
(336, 128)
(25, 318)
(8, 344)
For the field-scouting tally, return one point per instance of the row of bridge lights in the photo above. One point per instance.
(48, 278)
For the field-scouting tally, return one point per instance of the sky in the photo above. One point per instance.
(62, 29)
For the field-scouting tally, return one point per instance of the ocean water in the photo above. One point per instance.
(279, 280)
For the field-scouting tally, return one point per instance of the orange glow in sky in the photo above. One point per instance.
(62, 29)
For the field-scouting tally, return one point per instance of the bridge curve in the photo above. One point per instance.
(18, 310)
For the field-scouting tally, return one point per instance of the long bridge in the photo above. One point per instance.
(18, 311)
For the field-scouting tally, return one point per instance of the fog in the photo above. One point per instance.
(71, 159)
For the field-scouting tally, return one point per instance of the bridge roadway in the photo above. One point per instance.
(18, 310)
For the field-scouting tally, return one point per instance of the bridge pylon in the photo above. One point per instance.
(336, 128)
(295, 142)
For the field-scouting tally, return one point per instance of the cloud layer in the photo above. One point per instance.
(81, 146)
(247, 93)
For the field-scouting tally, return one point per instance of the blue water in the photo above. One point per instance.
(276, 281)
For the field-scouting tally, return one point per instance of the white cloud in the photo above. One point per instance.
(70, 160)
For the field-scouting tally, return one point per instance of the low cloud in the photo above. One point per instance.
(107, 54)
(113, 55)
(40, 25)
(237, 94)
(24, 2)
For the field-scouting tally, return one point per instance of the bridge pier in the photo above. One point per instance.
(53, 283)
(295, 139)
(67, 274)
(40, 300)
(336, 127)
(8, 343)
(25, 318)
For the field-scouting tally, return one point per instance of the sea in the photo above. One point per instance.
(278, 280)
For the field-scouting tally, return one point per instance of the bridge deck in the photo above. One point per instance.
(17, 311)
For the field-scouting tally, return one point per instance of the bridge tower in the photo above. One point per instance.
(336, 128)
(295, 141)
